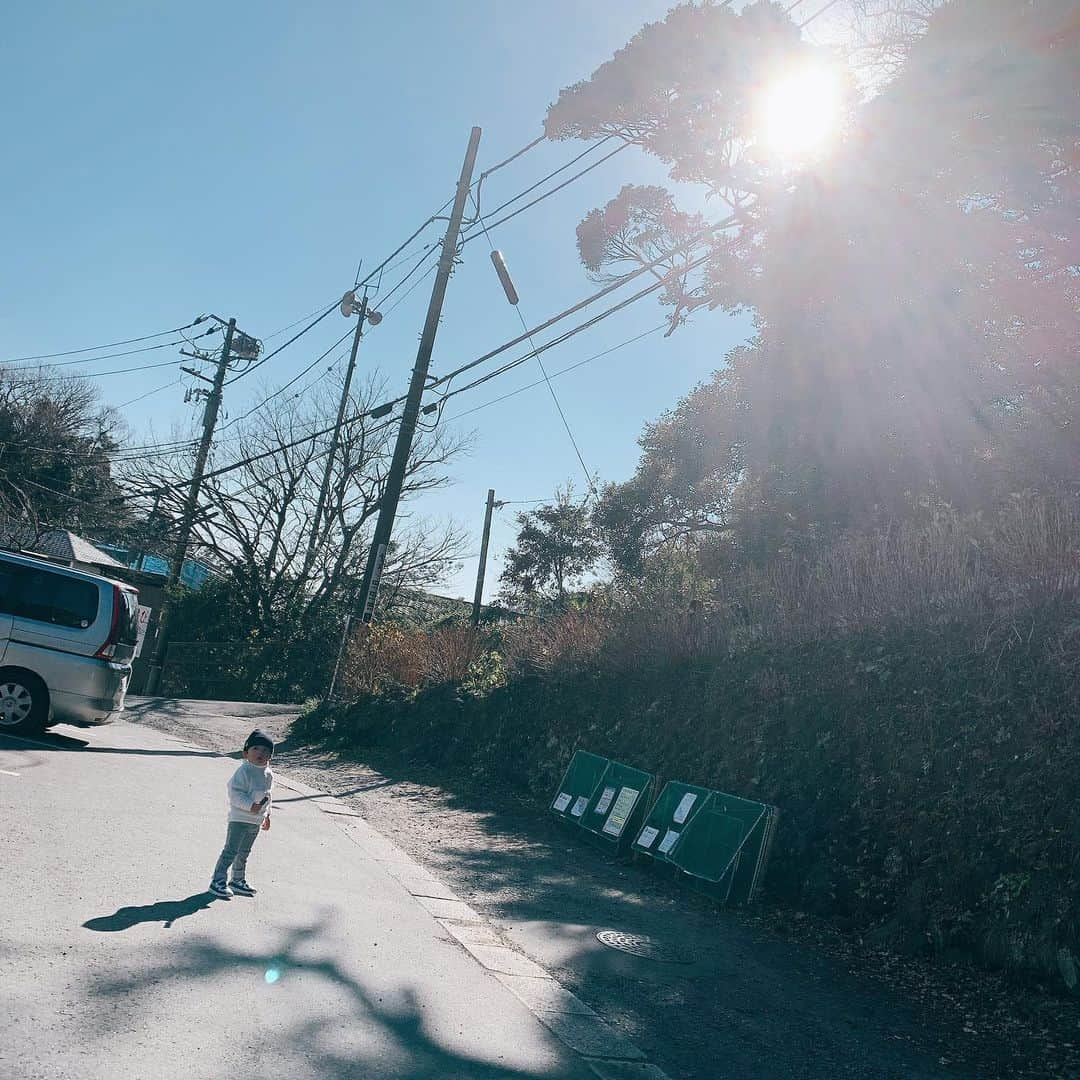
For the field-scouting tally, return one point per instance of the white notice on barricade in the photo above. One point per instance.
(563, 801)
(620, 812)
(647, 836)
(669, 841)
(604, 801)
(579, 806)
(684, 808)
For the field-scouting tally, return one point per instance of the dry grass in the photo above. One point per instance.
(385, 657)
(909, 574)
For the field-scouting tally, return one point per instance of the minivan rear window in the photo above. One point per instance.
(29, 593)
(129, 618)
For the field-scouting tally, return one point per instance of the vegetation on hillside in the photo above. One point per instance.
(845, 574)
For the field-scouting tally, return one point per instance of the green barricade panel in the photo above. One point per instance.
(618, 805)
(725, 846)
(671, 814)
(578, 785)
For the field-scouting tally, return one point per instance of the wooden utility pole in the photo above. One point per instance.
(482, 568)
(210, 415)
(395, 478)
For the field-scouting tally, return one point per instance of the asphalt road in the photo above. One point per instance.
(351, 962)
(746, 1006)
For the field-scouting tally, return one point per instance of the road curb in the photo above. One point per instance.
(608, 1054)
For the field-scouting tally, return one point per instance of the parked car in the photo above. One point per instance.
(66, 643)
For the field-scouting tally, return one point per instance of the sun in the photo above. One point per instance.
(800, 112)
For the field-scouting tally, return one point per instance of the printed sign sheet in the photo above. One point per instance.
(620, 812)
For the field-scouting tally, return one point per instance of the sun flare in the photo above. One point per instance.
(800, 112)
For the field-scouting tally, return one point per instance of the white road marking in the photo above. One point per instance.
(8, 772)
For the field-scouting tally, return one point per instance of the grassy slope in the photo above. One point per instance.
(927, 778)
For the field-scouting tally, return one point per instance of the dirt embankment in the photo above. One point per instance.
(928, 778)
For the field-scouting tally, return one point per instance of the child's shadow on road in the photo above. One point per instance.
(165, 911)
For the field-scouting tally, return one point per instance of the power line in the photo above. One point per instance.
(100, 374)
(383, 409)
(554, 375)
(292, 382)
(297, 322)
(109, 345)
(513, 157)
(281, 348)
(119, 452)
(383, 297)
(562, 338)
(149, 393)
(551, 389)
(698, 234)
(543, 180)
(547, 194)
(820, 11)
(106, 356)
(412, 288)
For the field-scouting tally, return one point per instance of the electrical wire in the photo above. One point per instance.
(109, 345)
(561, 339)
(591, 148)
(106, 356)
(820, 11)
(382, 298)
(554, 375)
(100, 374)
(547, 194)
(149, 393)
(292, 382)
(262, 455)
(514, 156)
(697, 235)
(297, 322)
(281, 348)
(378, 411)
(551, 389)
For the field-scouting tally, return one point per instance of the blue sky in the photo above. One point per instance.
(165, 160)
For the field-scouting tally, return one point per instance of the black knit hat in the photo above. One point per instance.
(259, 738)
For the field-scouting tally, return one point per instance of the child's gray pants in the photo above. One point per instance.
(238, 841)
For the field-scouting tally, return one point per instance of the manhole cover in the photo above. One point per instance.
(640, 945)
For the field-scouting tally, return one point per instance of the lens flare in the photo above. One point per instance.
(800, 112)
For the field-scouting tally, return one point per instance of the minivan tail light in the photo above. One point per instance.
(108, 649)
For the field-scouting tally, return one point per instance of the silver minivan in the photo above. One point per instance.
(66, 643)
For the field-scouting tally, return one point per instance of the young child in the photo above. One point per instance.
(249, 809)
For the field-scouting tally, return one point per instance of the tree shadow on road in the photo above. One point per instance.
(163, 911)
(365, 1033)
(775, 1008)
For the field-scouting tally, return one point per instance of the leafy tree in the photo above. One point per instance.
(555, 547)
(681, 495)
(56, 447)
(915, 293)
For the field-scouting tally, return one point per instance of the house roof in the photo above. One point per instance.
(55, 544)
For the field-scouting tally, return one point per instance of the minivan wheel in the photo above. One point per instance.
(24, 702)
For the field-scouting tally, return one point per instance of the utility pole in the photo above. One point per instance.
(388, 504)
(210, 414)
(491, 504)
(335, 436)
